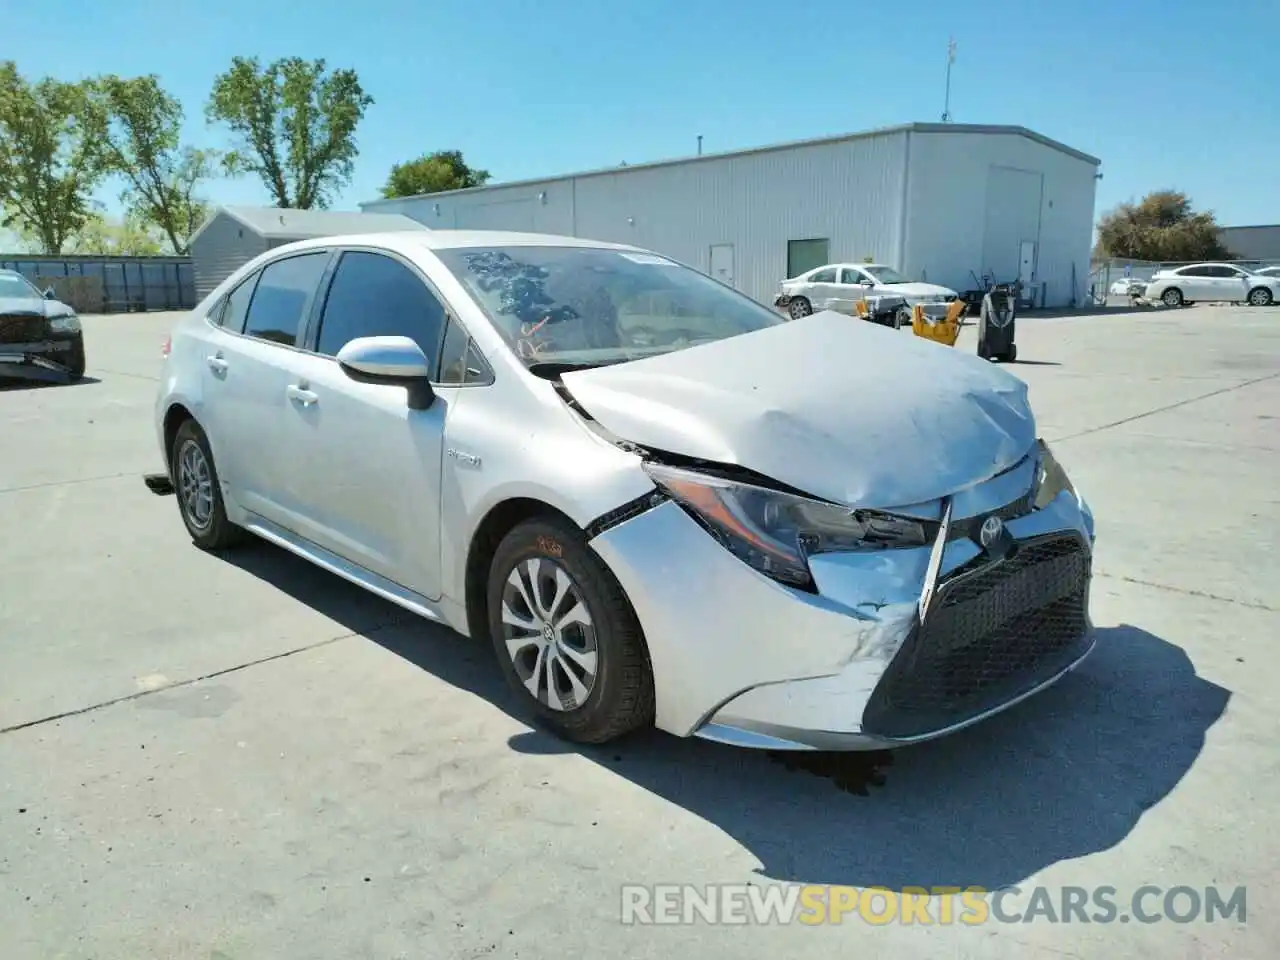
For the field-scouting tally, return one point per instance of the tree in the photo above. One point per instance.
(295, 124)
(1163, 226)
(50, 160)
(433, 173)
(140, 127)
(131, 237)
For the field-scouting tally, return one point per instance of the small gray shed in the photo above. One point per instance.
(232, 236)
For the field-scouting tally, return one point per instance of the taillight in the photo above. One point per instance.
(168, 345)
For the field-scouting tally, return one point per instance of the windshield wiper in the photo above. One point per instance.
(553, 368)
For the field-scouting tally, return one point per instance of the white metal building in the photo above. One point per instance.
(940, 202)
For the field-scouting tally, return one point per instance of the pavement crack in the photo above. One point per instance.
(186, 683)
(1186, 591)
(61, 483)
(1167, 407)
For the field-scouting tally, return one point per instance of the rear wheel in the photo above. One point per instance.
(195, 479)
(799, 307)
(1171, 297)
(1260, 297)
(567, 638)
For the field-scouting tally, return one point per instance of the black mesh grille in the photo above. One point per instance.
(993, 632)
(21, 328)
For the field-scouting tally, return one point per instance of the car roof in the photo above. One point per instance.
(407, 241)
(860, 266)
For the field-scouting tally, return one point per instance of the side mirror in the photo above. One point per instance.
(391, 361)
(49, 294)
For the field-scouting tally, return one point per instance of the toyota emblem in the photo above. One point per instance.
(992, 527)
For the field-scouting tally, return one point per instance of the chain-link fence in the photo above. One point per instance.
(1109, 278)
(110, 284)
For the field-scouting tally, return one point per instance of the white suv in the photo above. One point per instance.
(1212, 282)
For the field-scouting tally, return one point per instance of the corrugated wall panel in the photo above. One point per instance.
(222, 249)
(948, 212)
(847, 192)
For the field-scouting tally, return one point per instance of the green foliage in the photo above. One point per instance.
(140, 125)
(51, 159)
(433, 173)
(1162, 227)
(295, 123)
(133, 237)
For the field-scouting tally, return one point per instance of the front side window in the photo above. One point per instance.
(279, 304)
(852, 276)
(886, 275)
(588, 306)
(373, 295)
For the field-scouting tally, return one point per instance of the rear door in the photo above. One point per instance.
(822, 289)
(1196, 283)
(246, 373)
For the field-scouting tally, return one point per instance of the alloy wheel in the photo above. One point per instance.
(1260, 297)
(195, 485)
(799, 308)
(549, 634)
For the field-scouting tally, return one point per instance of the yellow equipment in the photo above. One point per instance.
(944, 329)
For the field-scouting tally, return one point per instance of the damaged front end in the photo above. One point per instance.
(36, 347)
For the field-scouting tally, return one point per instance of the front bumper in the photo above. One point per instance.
(741, 659)
(46, 359)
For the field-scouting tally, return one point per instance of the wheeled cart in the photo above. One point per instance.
(997, 324)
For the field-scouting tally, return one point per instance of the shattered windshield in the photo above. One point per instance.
(589, 306)
(886, 275)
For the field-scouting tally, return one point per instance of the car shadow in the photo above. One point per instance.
(23, 383)
(1066, 774)
(1034, 363)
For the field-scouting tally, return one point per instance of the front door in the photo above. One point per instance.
(854, 286)
(365, 469)
(722, 263)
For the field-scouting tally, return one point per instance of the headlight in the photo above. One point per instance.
(67, 324)
(1050, 479)
(774, 532)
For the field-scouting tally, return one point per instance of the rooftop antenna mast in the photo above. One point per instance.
(951, 58)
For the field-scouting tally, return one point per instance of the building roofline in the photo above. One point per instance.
(1254, 226)
(981, 128)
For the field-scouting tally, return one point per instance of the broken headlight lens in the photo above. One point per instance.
(776, 532)
(1050, 479)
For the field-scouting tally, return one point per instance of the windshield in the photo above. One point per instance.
(589, 306)
(886, 275)
(12, 285)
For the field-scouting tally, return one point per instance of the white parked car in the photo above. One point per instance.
(838, 286)
(1210, 282)
(659, 500)
(1127, 287)
(1268, 272)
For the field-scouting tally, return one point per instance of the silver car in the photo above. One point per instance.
(661, 502)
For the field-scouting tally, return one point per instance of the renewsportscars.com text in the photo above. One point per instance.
(820, 904)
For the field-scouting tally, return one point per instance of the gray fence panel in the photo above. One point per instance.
(128, 283)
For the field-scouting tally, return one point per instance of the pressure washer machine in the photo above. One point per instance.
(997, 323)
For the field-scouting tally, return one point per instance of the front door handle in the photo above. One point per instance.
(216, 363)
(300, 394)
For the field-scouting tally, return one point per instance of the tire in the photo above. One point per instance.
(618, 698)
(799, 307)
(76, 363)
(983, 352)
(1012, 355)
(1172, 297)
(902, 318)
(199, 495)
(1260, 297)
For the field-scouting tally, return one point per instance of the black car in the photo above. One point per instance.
(40, 337)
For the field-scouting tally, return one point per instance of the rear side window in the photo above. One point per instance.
(284, 291)
(376, 296)
(823, 276)
(236, 306)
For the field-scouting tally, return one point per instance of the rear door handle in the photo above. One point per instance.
(216, 363)
(300, 394)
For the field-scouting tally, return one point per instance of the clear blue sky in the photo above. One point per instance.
(1169, 93)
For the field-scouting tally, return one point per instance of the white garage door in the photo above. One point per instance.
(1012, 221)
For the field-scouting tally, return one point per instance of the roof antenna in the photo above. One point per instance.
(699, 144)
(951, 58)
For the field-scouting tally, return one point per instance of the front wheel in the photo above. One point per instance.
(195, 480)
(75, 359)
(1260, 297)
(568, 640)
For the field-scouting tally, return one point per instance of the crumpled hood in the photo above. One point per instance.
(845, 410)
